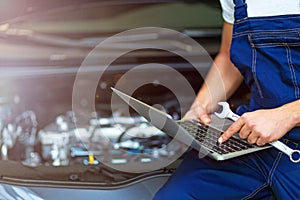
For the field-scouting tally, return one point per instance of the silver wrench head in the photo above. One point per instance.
(295, 156)
(225, 110)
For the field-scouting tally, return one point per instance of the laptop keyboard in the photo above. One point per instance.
(208, 137)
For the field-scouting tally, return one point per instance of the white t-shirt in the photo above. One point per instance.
(260, 8)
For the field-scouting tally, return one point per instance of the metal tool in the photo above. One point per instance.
(292, 153)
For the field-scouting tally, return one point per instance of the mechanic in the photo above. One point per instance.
(260, 45)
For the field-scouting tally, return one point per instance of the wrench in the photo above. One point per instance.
(292, 153)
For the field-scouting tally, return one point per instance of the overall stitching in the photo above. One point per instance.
(268, 36)
(291, 66)
(254, 55)
(273, 168)
(244, 33)
(274, 34)
(267, 18)
(279, 44)
(236, 34)
(269, 181)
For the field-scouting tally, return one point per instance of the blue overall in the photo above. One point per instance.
(266, 50)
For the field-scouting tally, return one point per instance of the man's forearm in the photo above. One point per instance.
(292, 113)
(223, 78)
(221, 82)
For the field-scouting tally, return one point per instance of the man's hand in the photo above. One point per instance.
(261, 126)
(197, 112)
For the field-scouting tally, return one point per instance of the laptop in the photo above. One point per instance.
(195, 134)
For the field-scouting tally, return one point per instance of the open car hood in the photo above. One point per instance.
(42, 46)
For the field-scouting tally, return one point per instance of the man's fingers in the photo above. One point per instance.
(192, 115)
(253, 137)
(234, 128)
(244, 132)
(260, 142)
(205, 119)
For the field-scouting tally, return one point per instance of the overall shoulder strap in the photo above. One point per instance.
(240, 10)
